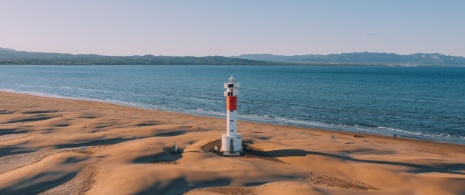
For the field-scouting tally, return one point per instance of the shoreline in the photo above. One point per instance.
(335, 129)
(71, 146)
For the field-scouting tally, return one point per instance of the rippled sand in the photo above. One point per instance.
(61, 146)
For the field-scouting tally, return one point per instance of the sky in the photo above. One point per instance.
(229, 28)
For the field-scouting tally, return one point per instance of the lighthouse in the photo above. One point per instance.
(231, 142)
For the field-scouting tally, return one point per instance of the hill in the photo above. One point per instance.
(10, 56)
(364, 58)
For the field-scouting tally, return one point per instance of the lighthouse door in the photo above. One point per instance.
(231, 146)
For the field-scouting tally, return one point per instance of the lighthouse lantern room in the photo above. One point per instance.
(231, 142)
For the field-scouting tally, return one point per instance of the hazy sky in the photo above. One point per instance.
(214, 27)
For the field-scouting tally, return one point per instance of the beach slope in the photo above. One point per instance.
(63, 146)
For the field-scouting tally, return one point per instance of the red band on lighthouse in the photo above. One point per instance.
(231, 103)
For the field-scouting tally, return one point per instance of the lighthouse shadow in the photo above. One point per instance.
(450, 168)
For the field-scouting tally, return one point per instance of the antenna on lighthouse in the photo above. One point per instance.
(231, 79)
(231, 142)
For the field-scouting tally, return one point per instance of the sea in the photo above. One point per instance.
(415, 102)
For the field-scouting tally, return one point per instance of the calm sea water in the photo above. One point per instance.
(417, 102)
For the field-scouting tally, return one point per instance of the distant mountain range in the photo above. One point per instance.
(364, 58)
(10, 56)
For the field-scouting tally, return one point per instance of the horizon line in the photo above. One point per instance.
(229, 56)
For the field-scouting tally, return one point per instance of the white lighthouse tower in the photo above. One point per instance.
(231, 142)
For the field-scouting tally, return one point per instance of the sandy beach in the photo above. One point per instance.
(63, 146)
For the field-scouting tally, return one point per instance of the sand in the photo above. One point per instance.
(63, 146)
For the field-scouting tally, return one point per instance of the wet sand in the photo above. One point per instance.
(63, 146)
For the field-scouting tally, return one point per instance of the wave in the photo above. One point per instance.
(386, 131)
(36, 93)
(63, 87)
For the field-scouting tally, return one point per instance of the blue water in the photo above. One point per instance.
(417, 102)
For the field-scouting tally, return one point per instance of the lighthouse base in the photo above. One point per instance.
(231, 144)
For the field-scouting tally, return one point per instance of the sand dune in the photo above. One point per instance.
(61, 146)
